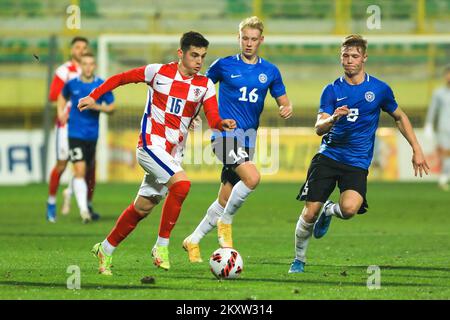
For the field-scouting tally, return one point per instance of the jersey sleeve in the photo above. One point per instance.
(389, 103)
(214, 71)
(151, 70)
(277, 88)
(59, 79)
(131, 76)
(66, 91)
(327, 100)
(211, 107)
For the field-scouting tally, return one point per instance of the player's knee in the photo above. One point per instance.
(349, 209)
(143, 208)
(252, 181)
(181, 188)
(223, 199)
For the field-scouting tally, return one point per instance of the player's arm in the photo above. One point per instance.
(131, 76)
(211, 109)
(106, 108)
(404, 125)
(61, 109)
(326, 121)
(285, 106)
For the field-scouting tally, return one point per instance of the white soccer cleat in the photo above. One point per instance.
(67, 195)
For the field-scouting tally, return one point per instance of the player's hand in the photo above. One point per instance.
(62, 118)
(86, 103)
(285, 111)
(340, 112)
(419, 163)
(195, 123)
(228, 124)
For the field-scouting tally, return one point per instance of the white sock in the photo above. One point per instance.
(51, 200)
(334, 210)
(162, 241)
(303, 232)
(80, 189)
(208, 223)
(108, 247)
(238, 195)
(70, 187)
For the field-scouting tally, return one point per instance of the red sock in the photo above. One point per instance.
(126, 223)
(54, 182)
(172, 207)
(90, 180)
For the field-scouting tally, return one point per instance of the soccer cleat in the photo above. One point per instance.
(94, 215)
(323, 222)
(85, 217)
(224, 235)
(297, 267)
(67, 196)
(51, 212)
(160, 256)
(104, 260)
(193, 250)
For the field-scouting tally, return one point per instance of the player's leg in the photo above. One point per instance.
(80, 154)
(126, 223)
(209, 222)
(167, 172)
(62, 157)
(178, 189)
(320, 183)
(67, 198)
(91, 182)
(303, 232)
(352, 183)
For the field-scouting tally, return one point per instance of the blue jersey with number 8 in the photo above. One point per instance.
(351, 139)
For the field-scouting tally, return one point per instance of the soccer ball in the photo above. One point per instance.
(226, 263)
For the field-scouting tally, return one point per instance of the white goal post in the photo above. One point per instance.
(104, 42)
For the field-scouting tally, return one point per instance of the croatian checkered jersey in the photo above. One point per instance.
(173, 100)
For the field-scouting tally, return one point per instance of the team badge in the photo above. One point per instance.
(370, 96)
(197, 92)
(262, 78)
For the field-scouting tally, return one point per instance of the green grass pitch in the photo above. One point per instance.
(405, 233)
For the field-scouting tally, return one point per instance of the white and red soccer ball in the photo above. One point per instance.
(226, 263)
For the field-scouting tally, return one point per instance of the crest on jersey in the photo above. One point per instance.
(370, 96)
(197, 92)
(262, 78)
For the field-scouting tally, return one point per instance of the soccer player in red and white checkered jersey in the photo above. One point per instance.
(175, 95)
(63, 74)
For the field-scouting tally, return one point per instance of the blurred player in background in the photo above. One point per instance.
(175, 95)
(63, 74)
(348, 117)
(83, 127)
(440, 110)
(245, 79)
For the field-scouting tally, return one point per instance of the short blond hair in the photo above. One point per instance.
(252, 22)
(355, 40)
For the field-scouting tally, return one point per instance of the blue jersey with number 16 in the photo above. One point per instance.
(242, 90)
(351, 139)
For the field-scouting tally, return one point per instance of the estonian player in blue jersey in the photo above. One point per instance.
(245, 79)
(83, 127)
(348, 117)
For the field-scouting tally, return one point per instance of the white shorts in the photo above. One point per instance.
(443, 139)
(159, 167)
(62, 143)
